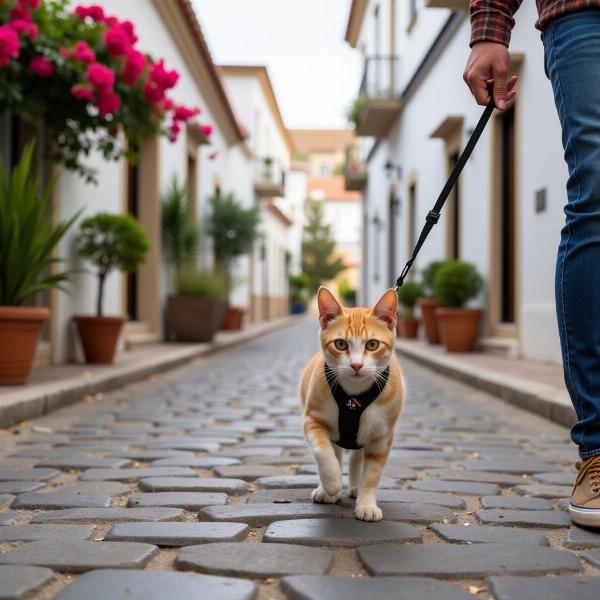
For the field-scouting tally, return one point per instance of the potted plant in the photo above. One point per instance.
(233, 230)
(198, 307)
(299, 294)
(268, 164)
(180, 243)
(428, 303)
(347, 293)
(28, 237)
(408, 294)
(455, 283)
(109, 242)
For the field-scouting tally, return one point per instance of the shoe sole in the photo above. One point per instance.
(588, 517)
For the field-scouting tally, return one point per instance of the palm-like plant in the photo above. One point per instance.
(180, 233)
(28, 235)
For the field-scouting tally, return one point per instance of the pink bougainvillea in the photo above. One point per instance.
(89, 56)
(41, 66)
(83, 53)
(9, 45)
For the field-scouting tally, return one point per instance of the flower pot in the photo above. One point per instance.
(232, 321)
(298, 309)
(20, 328)
(399, 326)
(194, 318)
(410, 326)
(458, 328)
(428, 307)
(99, 337)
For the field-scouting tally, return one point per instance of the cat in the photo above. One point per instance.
(357, 367)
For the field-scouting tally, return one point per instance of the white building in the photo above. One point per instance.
(506, 215)
(253, 98)
(167, 29)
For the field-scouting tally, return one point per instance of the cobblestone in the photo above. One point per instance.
(256, 560)
(22, 582)
(211, 458)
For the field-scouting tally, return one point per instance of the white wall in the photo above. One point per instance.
(539, 160)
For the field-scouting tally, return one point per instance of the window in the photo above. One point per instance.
(324, 170)
(412, 15)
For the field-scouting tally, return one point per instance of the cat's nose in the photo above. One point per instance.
(357, 367)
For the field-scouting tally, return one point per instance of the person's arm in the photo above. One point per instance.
(491, 25)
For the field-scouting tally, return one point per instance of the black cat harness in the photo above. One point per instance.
(351, 407)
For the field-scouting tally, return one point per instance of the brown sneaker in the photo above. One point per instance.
(584, 506)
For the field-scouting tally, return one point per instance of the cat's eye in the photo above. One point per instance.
(372, 345)
(341, 345)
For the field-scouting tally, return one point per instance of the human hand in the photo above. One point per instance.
(489, 63)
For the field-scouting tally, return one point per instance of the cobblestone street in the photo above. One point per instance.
(196, 485)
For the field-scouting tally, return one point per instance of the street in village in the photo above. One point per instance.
(197, 484)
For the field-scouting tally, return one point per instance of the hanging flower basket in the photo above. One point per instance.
(80, 74)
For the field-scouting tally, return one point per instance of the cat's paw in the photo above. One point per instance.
(322, 497)
(353, 491)
(368, 512)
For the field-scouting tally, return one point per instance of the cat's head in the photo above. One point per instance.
(357, 342)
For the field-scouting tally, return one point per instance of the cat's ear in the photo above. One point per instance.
(329, 307)
(386, 308)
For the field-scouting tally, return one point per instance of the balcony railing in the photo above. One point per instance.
(355, 169)
(381, 77)
(379, 90)
(269, 177)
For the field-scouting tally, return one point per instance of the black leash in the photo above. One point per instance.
(434, 214)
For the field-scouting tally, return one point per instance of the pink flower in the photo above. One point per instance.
(162, 77)
(20, 13)
(108, 104)
(168, 104)
(135, 63)
(152, 93)
(100, 76)
(82, 92)
(206, 130)
(66, 52)
(9, 45)
(183, 113)
(21, 26)
(129, 28)
(111, 21)
(116, 40)
(83, 53)
(175, 127)
(41, 66)
(95, 12)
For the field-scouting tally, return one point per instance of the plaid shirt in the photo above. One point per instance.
(492, 20)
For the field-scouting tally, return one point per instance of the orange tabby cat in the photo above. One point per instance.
(352, 393)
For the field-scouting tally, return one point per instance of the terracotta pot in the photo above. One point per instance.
(428, 307)
(99, 337)
(400, 326)
(458, 328)
(20, 328)
(193, 318)
(411, 327)
(232, 321)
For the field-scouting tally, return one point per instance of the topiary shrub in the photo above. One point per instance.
(408, 295)
(110, 242)
(456, 282)
(192, 281)
(428, 277)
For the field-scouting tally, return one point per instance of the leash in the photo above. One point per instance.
(434, 214)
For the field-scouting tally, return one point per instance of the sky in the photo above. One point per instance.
(314, 72)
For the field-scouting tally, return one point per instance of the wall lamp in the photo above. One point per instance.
(391, 169)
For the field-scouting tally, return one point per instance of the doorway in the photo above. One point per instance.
(392, 217)
(133, 208)
(453, 214)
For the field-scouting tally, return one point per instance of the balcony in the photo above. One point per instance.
(451, 4)
(381, 103)
(269, 178)
(355, 170)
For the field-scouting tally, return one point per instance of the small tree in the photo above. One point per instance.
(233, 229)
(180, 233)
(112, 242)
(318, 249)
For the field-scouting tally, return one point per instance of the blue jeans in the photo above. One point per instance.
(572, 60)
